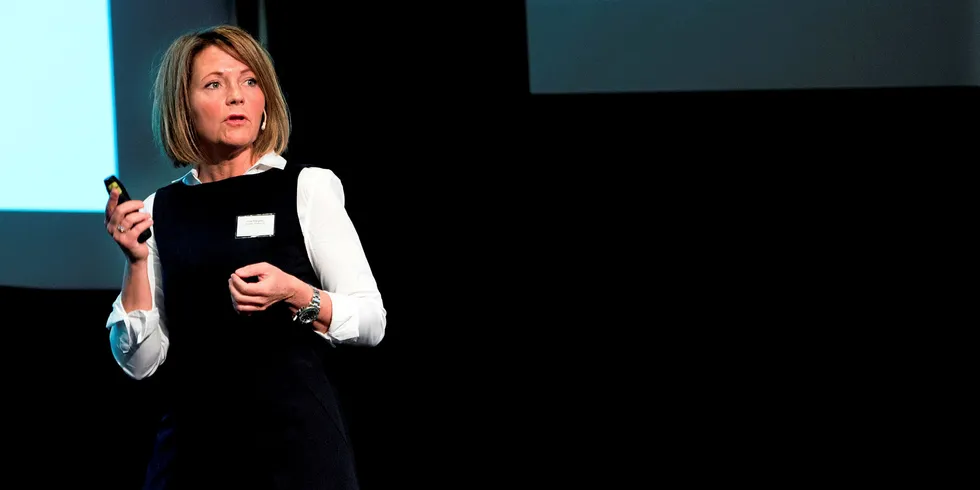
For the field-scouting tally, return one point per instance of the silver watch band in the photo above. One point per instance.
(314, 305)
(315, 302)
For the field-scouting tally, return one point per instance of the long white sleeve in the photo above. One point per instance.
(337, 256)
(139, 338)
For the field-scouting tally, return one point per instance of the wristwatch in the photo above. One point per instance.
(307, 314)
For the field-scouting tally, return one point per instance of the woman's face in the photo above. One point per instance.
(226, 100)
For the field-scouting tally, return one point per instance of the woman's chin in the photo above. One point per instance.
(238, 142)
(233, 145)
(236, 138)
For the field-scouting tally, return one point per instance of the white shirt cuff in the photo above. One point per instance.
(137, 324)
(344, 322)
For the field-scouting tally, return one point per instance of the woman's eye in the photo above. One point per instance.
(212, 85)
(251, 82)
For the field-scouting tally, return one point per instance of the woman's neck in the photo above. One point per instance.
(226, 166)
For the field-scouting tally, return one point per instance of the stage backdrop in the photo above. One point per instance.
(77, 111)
(975, 50)
(682, 45)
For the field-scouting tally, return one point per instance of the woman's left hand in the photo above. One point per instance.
(270, 286)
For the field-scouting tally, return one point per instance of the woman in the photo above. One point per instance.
(252, 273)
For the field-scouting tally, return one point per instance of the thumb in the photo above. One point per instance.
(252, 270)
(112, 203)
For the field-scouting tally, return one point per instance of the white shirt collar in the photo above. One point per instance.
(269, 160)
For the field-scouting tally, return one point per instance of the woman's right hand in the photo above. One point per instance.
(124, 223)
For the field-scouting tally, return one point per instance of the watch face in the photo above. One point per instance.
(307, 316)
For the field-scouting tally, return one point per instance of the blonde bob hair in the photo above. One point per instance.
(173, 126)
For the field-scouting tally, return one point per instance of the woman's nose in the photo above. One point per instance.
(235, 96)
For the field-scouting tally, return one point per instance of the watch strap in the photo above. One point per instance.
(314, 304)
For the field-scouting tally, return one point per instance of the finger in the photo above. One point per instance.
(246, 303)
(130, 238)
(132, 219)
(119, 218)
(128, 225)
(253, 269)
(237, 298)
(141, 226)
(235, 306)
(243, 287)
(126, 208)
(241, 297)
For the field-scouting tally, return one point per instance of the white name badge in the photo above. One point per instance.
(256, 225)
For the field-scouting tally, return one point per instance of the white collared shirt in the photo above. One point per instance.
(139, 338)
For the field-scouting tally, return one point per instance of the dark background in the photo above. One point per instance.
(545, 261)
(373, 98)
